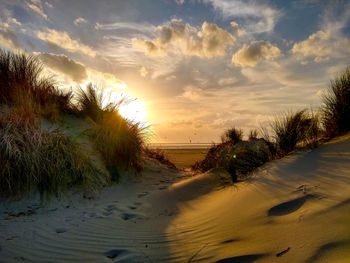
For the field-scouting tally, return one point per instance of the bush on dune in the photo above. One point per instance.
(336, 105)
(237, 157)
(119, 141)
(31, 158)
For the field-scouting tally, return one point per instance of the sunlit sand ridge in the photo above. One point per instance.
(292, 210)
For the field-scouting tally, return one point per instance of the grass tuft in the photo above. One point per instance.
(336, 105)
(295, 128)
(119, 141)
(49, 161)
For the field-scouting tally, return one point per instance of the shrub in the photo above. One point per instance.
(119, 141)
(336, 105)
(232, 135)
(292, 129)
(31, 158)
(160, 156)
(238, 159)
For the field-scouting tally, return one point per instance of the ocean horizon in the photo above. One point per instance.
(179, 145)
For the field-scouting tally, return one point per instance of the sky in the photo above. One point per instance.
(195, 67)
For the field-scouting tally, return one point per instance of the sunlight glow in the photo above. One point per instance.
(134, 111)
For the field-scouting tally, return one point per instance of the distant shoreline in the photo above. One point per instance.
(165, 146)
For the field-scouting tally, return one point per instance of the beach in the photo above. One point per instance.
(291, 210)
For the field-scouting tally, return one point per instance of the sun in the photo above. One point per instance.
(134, 111)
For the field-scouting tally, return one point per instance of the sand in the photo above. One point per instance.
(296, 209)
(185, 158)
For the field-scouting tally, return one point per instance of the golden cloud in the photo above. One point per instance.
(317, 46)
(250, 55)
(63, 40)
(208, 42)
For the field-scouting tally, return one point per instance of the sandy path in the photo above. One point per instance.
(293, 210)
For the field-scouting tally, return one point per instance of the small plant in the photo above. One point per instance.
(160, 156)
(336, 105)
(232, 135)
(253, 134)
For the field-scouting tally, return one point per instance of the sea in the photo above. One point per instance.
(179, 145)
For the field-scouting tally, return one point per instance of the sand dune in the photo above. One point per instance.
(292, 210)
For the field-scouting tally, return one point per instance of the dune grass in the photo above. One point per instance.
(336, 105)
(119, 141)
(22, 82)
(31, 158)
(294, 128)
(232, 135)
(49, 161)
(160, 156)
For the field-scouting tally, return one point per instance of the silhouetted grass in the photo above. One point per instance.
(160, 156)
(336, 105)
(22, 82)
(31, 158)
(118, 140)
(232, 135)
(292, 129)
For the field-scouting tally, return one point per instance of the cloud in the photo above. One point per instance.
(316, 46)
(255, 52)
(143, 71)
(63, 40)
(258, 16)
(80, 20)
(8, 39)
(36, 7)
(63, 64)
(207, 42)
(48, 5)
(180, 2)
(194, 93)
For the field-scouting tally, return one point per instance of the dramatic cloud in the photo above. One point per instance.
(63, 64)
(80, 20)
(255, 52)
(37, 8)
(316, 46)
(258, 17)
(63, 40)
(208, 42)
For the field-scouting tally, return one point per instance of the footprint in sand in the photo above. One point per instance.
(142, 194)
(112, 254)
(289, 207)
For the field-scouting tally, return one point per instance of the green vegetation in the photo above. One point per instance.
(336, 106)
(289, 132)
(119, 141)
(33, 158)
(293, 129)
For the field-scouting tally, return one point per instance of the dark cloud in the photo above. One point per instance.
(63, 64)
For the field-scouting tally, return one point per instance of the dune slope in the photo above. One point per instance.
(292, 210)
